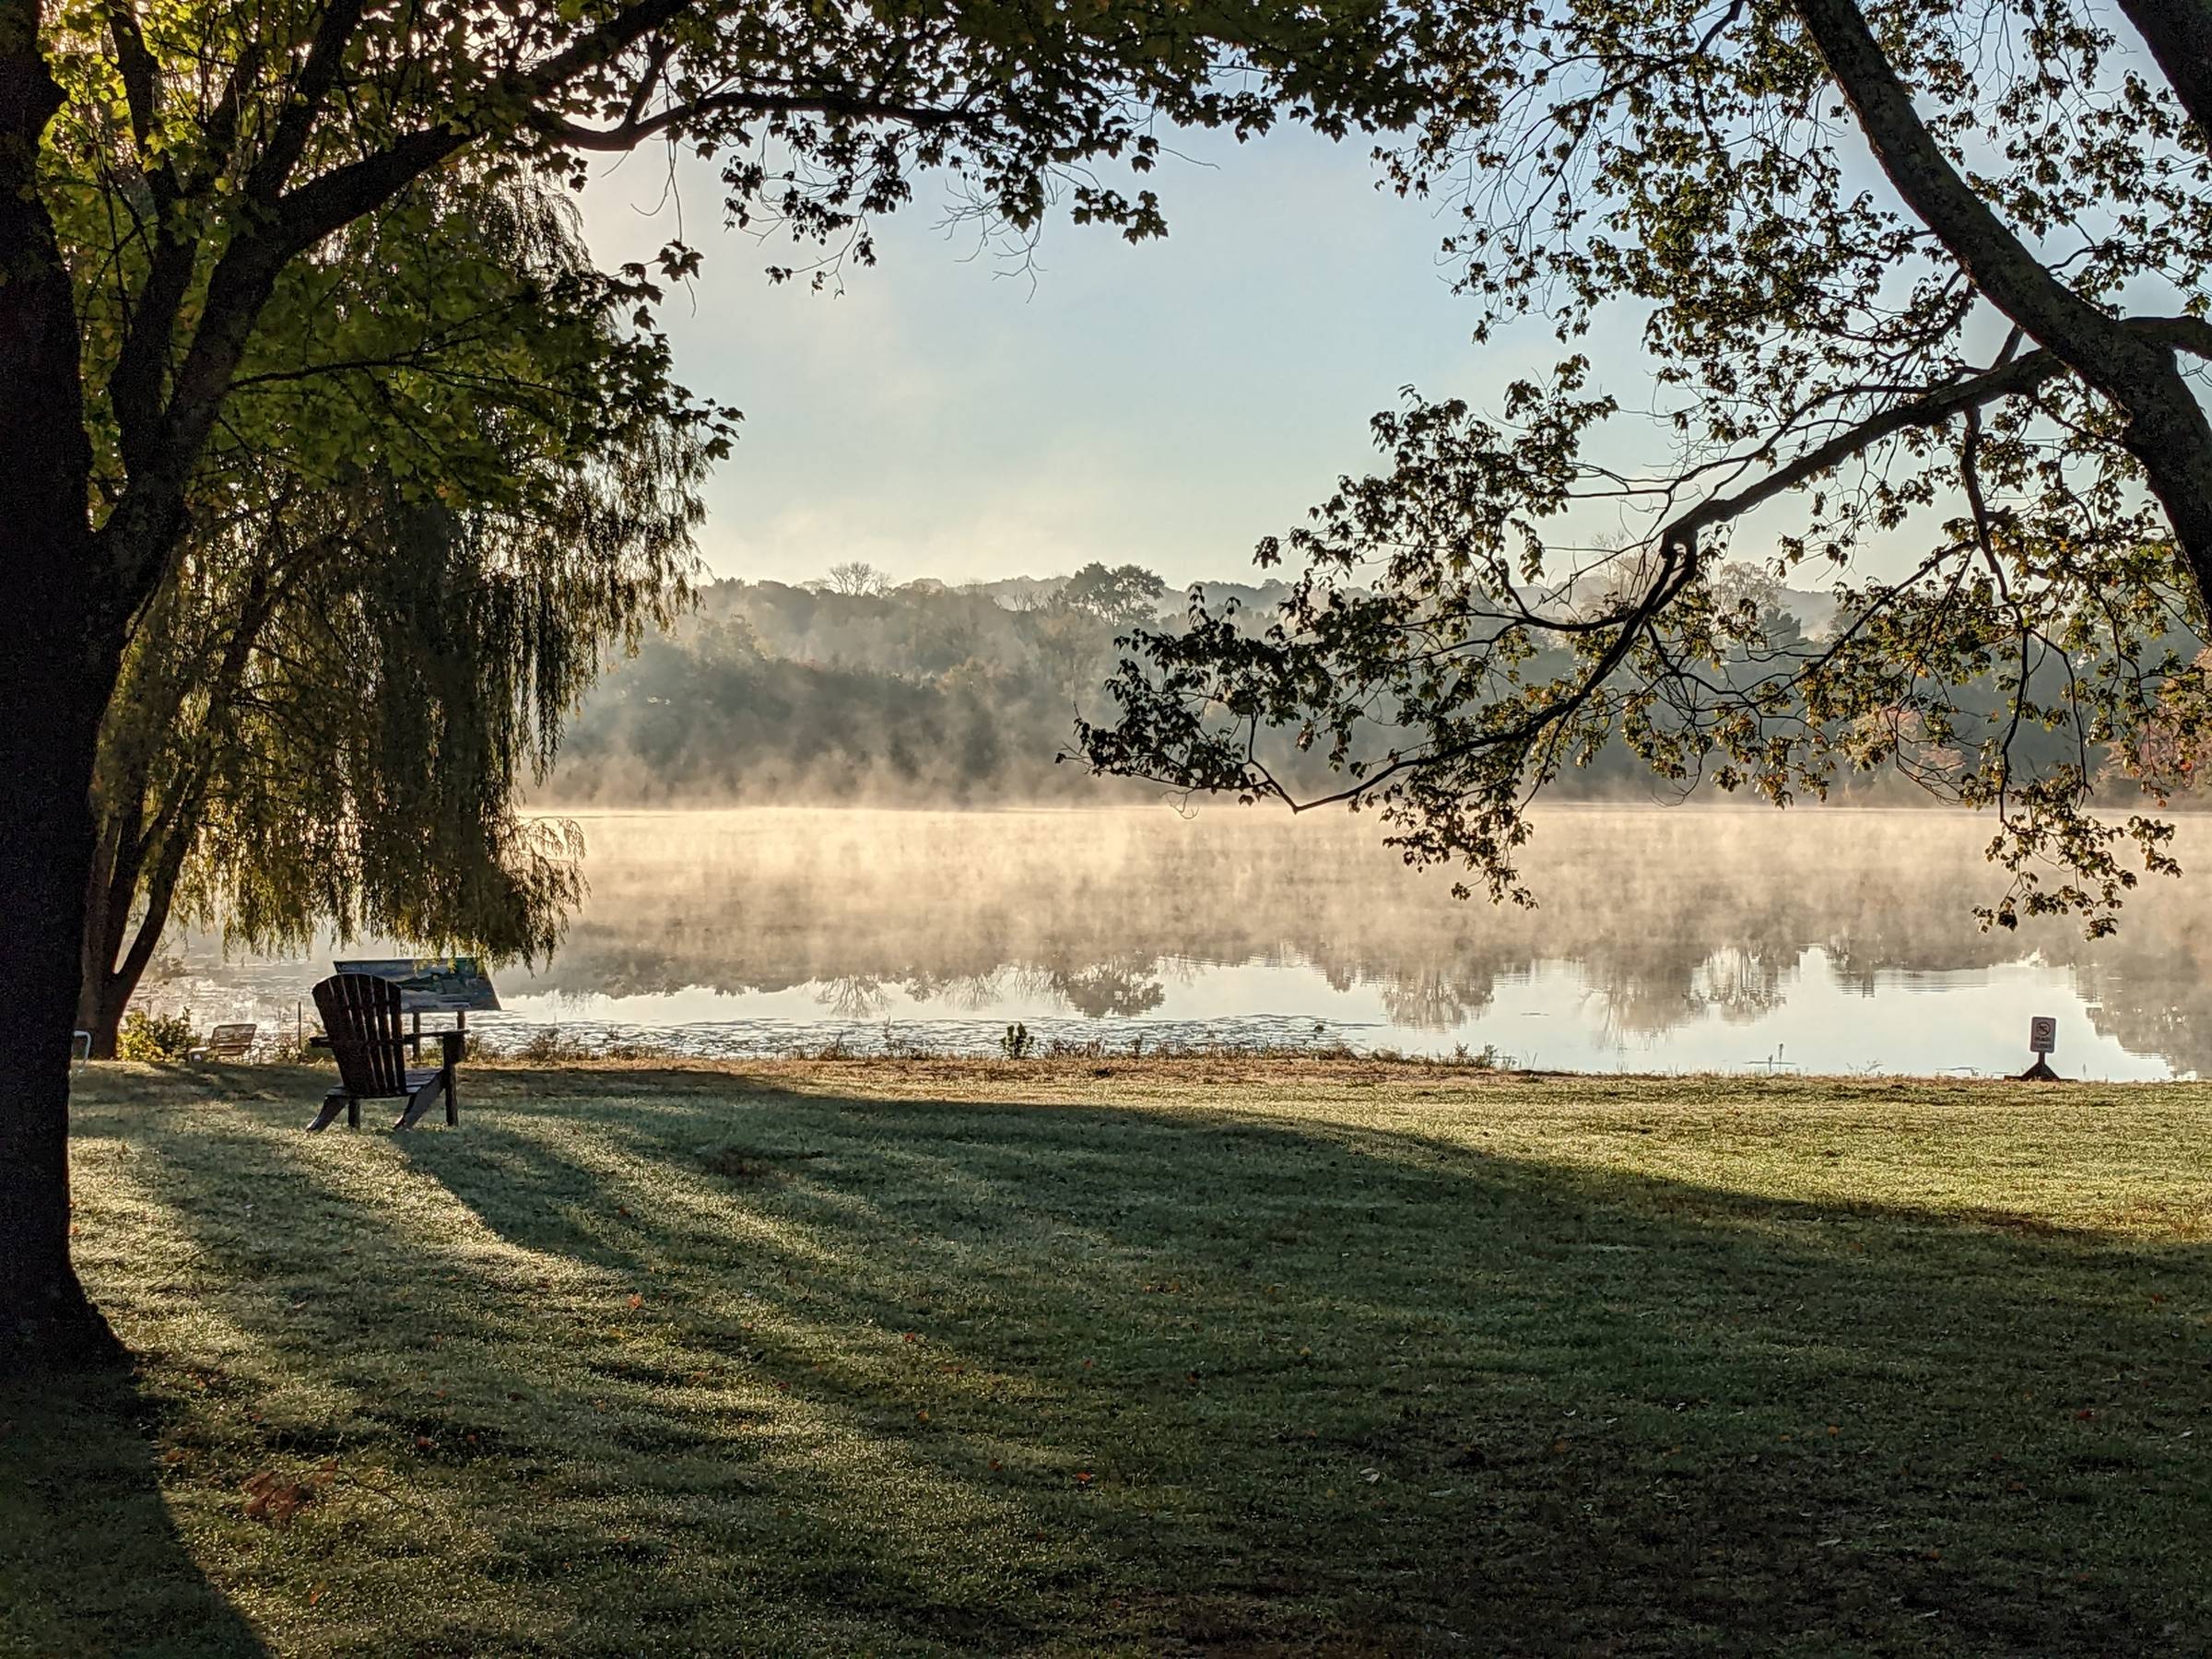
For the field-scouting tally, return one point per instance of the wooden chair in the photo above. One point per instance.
(225, 1042)
(362, 1025)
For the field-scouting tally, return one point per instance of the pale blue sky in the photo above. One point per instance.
(1167, 404)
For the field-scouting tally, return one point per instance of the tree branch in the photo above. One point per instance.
(635, 130)
(2001, 266)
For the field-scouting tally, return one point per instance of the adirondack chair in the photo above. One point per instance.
(362, 1021)
(225, 1042)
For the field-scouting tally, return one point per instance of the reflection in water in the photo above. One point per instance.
(1662, 937)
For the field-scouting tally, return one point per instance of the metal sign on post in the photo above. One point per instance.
(2043, 1037)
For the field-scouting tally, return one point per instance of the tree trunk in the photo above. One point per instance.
(58, 663)
(111, 979)
(48, 729)
(107, 919)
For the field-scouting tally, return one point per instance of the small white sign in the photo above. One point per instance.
(2042, 1035)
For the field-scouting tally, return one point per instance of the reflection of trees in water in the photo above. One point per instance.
(1432, 995)
(1669, 914)
(1740, 986)
(1123, 988)
(853, 996)
(2153, 1004)
(971, 992)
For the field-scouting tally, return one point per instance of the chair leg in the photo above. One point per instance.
(329, 1114)
(353, 1112)
(453, 1098)
(417, 1103)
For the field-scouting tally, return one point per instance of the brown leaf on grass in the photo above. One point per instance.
(636, 1300)
(274, 1501)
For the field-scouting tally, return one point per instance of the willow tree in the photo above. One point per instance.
(1900, 296)
(365, 647)
(163, 168)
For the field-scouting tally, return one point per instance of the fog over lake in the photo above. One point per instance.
(1663, 939)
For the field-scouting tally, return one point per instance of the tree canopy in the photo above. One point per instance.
(1125, 594)
(1900, 296)
(396, 585)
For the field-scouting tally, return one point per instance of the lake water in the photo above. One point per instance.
(1665, 939)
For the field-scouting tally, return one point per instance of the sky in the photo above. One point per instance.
(1166, 404)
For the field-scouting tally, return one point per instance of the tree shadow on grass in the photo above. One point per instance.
(910, 1371)
(90, 1559)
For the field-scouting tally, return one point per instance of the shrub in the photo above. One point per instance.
(155, 1035)
(550, 1045)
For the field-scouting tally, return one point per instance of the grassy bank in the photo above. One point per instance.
(1180, 1356)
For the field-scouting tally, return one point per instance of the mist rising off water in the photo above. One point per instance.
(1662, 938)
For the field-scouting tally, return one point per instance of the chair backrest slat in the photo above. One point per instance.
(362, 1016)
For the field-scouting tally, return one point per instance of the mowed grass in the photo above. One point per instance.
(1163, 1358)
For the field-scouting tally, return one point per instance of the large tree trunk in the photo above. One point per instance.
(48, 728)
(58, 658)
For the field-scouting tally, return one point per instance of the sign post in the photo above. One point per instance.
(2043, 1037)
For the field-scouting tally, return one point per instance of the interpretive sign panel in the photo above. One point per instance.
(433, 984)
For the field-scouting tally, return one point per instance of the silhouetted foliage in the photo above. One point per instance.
(1974, 371)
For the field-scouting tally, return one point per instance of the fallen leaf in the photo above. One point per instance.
(272, 1499)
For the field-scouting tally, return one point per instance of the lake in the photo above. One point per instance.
(1663, 939)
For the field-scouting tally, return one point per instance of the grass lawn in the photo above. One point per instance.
(1173, 1356)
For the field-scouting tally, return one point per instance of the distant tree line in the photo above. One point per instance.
(856, 687)
(853, 687)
